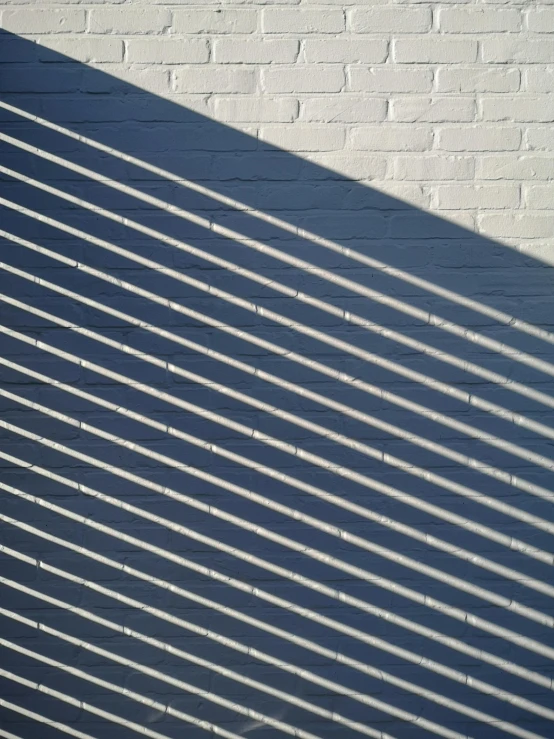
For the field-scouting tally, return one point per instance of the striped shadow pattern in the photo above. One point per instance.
(255, 478)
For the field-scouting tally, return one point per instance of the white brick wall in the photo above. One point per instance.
(333, 477)
(345, 64)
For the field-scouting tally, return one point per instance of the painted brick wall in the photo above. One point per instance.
(420, 99)
(276, 369)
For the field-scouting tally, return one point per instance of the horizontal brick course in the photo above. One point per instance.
(119, 20)
(299, 21)
(43, 20)
(214, 20)
(390, 19)
(167, 51)
(246, 51)
(479, 20)
(211, 79)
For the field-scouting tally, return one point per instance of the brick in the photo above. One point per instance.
(520, 108)
(85, 49)
(539, 197)
(540, 252)
(300, 21)
(479, 138)
(517, 49)
(433, 168)
(214, 21)
(387, 80)
(359, 167)
(343, 109)
(304, 138)
(478, 79)
(151, 79)
(246, 51)
(434, 50)
(540, 20)
(213, 79)
(540, 139)
(517, 225)
(127, 21)
(539, 79)
(52, 79)
(167, 51)
(507, 167)
(303, 79)
(414, 225)
(198, 103)
(347, 50)
(42, 20)
(433, 110)
(387, 138)
(389, 19)
(477, 197)
(479, 20)
(249, 109)
(404, 194)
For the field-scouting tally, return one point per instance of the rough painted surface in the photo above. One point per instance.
(446, 105)
(276, 384)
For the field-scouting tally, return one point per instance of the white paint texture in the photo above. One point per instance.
(276, 369)
(476, 77)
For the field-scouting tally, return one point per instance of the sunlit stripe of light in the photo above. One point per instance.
(410, 374)
(118, 719)
(474, 464)
(255, 715)
(125, 692)
(8, 734)
(209, 353)
(279, 663)
(395, 493)
(376, 642)
(210, 225)
(357, 572)
(375, 579)
(334, 562)
(382, 551)
(490, 376)
(169, 649)
(425, 317)
(187, 687)
(366, 607)
(463, 522)
(252, 652)
(326, 527)
(40, 719)
(347, 316)
(347, 252)
(360, 447)
(432, 415)
(403, 715)
(266, 439)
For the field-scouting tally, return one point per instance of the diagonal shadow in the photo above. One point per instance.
(276, 446)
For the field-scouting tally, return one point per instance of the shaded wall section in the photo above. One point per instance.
(276, 448)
